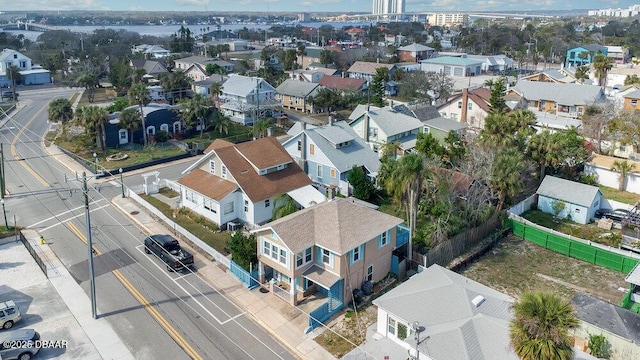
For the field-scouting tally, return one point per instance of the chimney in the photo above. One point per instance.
(269, 131)
(330, 120)
(303, 147)
(465, 102)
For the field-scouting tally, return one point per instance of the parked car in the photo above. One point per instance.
(615, 215)
(167, 248)
(9, 314)
(9, 95)
(26, 338)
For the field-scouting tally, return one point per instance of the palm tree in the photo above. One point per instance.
(542, 149)
(138, 75)
(60, 110)
(506, 172)
(139, 95)
(89, 81)
(216, 91)
(130, 121)
(623, 167)
(300, 52)
(13, 73)
(405, 185)
(582, 73)
(283, 205)
(540, 327)
(221, 124)
(260, 128)
(195, 110)
(93, 119)
(176, 81)
(601, 65)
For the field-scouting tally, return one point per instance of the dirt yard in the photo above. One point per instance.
(516, 265)
(347, 331)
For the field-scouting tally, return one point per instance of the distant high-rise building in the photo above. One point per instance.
(385, 7)
(304, 17)
(447, 19)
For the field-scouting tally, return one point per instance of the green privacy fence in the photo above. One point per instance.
(578, 249)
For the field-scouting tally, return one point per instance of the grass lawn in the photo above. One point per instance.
(197, 225)
(588, 232)
(236, 133)
(621, 196)
(516, 265)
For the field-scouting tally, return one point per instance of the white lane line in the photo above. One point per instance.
(73, 217)
(233, 318)
(139, 248)
(184, 276)
(62, 213)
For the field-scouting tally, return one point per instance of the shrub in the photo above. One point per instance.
(598, 345)
(589, 179)
(402, 331)
(162, 136)
(243, 249)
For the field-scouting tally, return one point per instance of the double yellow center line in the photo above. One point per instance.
(15, 154)
(142, 300)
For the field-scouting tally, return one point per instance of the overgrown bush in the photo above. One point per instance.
(243, 249)
(589, 179)
(598, 345)
(162, 136)
(402, 331)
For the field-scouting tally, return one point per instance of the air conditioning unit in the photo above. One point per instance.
(231, 226)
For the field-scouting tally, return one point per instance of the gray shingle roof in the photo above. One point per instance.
(563, 94)
(415, 47)
(393, 122)
(297, 88)
(344, 158)
(369, 68)
(568, 191)
(424, 113)
(441, 301)
(444, 124)
(338, 225)
(608, 317)
(242, 85)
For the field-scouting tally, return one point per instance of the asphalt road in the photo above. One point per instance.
(158, 314)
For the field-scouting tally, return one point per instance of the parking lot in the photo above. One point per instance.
(42, 308)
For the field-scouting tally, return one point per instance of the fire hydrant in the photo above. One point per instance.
(42, 240)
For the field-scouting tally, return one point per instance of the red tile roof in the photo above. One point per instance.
(340, 83)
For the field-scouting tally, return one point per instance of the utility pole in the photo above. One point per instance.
(92, 277)
(90, 244)
(2, 184)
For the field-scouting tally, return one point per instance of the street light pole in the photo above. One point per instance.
(121, 183)
(95, 157)
(4, 212)
(416, 330)
(90, 245)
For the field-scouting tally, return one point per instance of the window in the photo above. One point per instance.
(384, 240)
(246, 206)
(228, 208)
(312, 149)
(212, 167)
(274, 252)
(209, 205)
(283, 256)
(370, 273)
(299, 145)
(224, 172)
(326, 256)
(303, 257)
(392, 326)
(373, 132)
(189, 196)
(267, 203)
(634, 102)
(123, 135)
(307, 255)
(577, 211)
(319, 170)
(299, 259)
(355, 254)
(266, 248)
(23, 64)
(333, 173)
(470, 106)
(459, 104)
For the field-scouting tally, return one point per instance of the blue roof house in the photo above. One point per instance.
(328, 153)
(583, 55)
(580, 200)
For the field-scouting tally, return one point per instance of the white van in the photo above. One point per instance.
(9, 314)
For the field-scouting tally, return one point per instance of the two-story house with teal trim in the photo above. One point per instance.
(327, 251)
(328, 153)
(583, 55)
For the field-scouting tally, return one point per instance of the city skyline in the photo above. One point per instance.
(357, 6)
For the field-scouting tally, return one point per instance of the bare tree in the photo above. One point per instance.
(596, 120)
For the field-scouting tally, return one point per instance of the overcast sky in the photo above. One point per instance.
(360, 6)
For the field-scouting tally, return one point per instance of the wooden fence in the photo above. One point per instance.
(443, 253)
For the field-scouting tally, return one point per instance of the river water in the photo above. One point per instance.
(167, 30)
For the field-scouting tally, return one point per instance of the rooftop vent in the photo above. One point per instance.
(478, 300)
